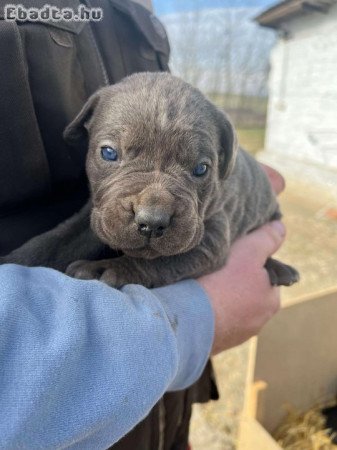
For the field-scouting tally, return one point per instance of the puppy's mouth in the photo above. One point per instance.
(125, 235)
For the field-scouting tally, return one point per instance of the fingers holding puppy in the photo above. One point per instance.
(241, 295)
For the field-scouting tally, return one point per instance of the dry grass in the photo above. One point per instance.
(304, 431)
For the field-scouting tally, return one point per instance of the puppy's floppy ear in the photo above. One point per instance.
(76, 132)
(228, 145)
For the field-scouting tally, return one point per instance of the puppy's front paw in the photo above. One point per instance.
(93, 270)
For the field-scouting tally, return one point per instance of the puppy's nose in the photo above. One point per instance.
(152, 222)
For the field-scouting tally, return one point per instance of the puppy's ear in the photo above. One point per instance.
(228, 145)
(76, 132)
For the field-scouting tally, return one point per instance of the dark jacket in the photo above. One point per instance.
(47, 72)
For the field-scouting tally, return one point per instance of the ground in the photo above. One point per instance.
(310, 215)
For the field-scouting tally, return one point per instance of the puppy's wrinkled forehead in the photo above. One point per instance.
(158, 117)
(147, 113)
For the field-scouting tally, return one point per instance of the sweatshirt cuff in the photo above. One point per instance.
(191, 317)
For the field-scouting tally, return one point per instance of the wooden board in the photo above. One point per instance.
(294, 361)
(296, 357)
(254, 437)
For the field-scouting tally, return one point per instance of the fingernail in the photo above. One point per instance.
(279, 227)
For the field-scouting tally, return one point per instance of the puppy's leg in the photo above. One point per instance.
(281, 274)
(57, 248)
(209, 255)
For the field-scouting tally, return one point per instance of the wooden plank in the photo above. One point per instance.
(296, 357)
(249, 406)
(254, 437)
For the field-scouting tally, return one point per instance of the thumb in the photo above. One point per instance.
(264, 241)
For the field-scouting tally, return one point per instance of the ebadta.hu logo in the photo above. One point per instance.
(52, 13)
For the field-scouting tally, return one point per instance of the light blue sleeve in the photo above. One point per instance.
(81, 363)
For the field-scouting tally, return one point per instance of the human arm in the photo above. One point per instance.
(81, 363)
(57, 380)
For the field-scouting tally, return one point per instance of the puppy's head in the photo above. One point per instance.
(158, 154)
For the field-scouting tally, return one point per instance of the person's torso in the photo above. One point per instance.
(48, 71)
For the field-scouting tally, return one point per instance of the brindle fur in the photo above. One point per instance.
(162, 128)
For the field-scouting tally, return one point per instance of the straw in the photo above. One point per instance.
(304, 431)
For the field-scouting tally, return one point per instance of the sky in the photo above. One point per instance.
(220, 48)
(163, 7)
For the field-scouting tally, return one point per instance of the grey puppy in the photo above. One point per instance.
(170, 189)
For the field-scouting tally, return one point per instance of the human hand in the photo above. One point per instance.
(241, 295)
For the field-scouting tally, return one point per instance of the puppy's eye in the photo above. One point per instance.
(200, 170)
(109, 153)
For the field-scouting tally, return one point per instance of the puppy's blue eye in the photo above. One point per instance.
(109, 153)
(200, 170)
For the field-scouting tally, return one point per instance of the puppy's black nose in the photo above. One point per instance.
(152, 222)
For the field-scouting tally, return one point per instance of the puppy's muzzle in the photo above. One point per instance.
(152, 221)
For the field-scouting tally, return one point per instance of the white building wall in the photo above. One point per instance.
(302, 111)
